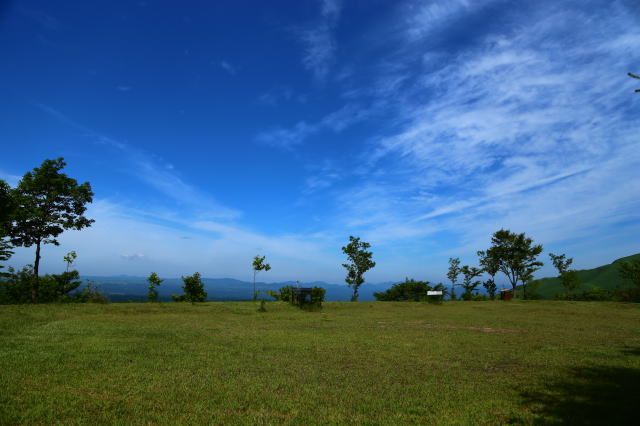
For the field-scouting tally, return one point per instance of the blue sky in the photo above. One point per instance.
(213, 131)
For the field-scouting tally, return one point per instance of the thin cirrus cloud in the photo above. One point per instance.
(464, 117)
(523, 128)
(156, 173)
(319, 40)
(334, 122)
(228, 67)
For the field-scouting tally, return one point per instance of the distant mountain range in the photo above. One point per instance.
(125, 288)
(605, 277)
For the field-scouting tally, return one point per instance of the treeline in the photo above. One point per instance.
(46, 202)
(516, 257)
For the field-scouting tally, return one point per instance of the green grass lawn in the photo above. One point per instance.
(382, 363)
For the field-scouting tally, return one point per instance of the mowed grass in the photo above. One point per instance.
(371, 363)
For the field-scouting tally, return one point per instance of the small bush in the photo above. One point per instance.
(286, 293)
(596, 294)
(409, 290)
(628, 295)
(90, 294)
(16, 287)
(193, 288)
(317, 295)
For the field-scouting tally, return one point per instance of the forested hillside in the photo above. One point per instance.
(606, 277)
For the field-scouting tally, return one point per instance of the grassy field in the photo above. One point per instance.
(373, 363)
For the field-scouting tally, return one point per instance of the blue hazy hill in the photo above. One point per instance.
(123, 288)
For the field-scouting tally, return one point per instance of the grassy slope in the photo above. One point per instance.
(459, 363)
(605, 277)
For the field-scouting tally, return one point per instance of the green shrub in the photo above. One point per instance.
(317, 296)
(409, 290)
(16, 287)
(596, 294)
(285, 293)
(628, 295)
(193, 288)
(90, 294)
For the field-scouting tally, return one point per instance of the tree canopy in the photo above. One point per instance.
(193, 288)
(515, 255)
(47, 202)
(568, 277)
(258, 265)
(469, 281)
(154, 281)
(359, 261)
(453, 273)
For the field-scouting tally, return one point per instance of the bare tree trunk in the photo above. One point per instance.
(36, 269)
(254, 285)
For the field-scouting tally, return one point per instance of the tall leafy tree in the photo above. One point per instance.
(491, 287)
(518, 257)
(568, 277)
(359, 261)
(258, 265)
(453, 273)
(154, 281)
(491, 265)
(48, 202)
(469, 281)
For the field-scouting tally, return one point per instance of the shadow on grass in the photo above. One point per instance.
(592, 396)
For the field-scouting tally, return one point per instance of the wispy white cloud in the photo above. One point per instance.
(280, 95)
(323, 176)
(151, 170)
(319, 40)
(427, 17)
(132, 257)
(532, 129)
(335, 122)
(136, 242)
(228, 67)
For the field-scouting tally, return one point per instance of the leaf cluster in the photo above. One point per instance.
(47, 202)
(359, 261)
(515, 255)
(193, 289)
(409, 290)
